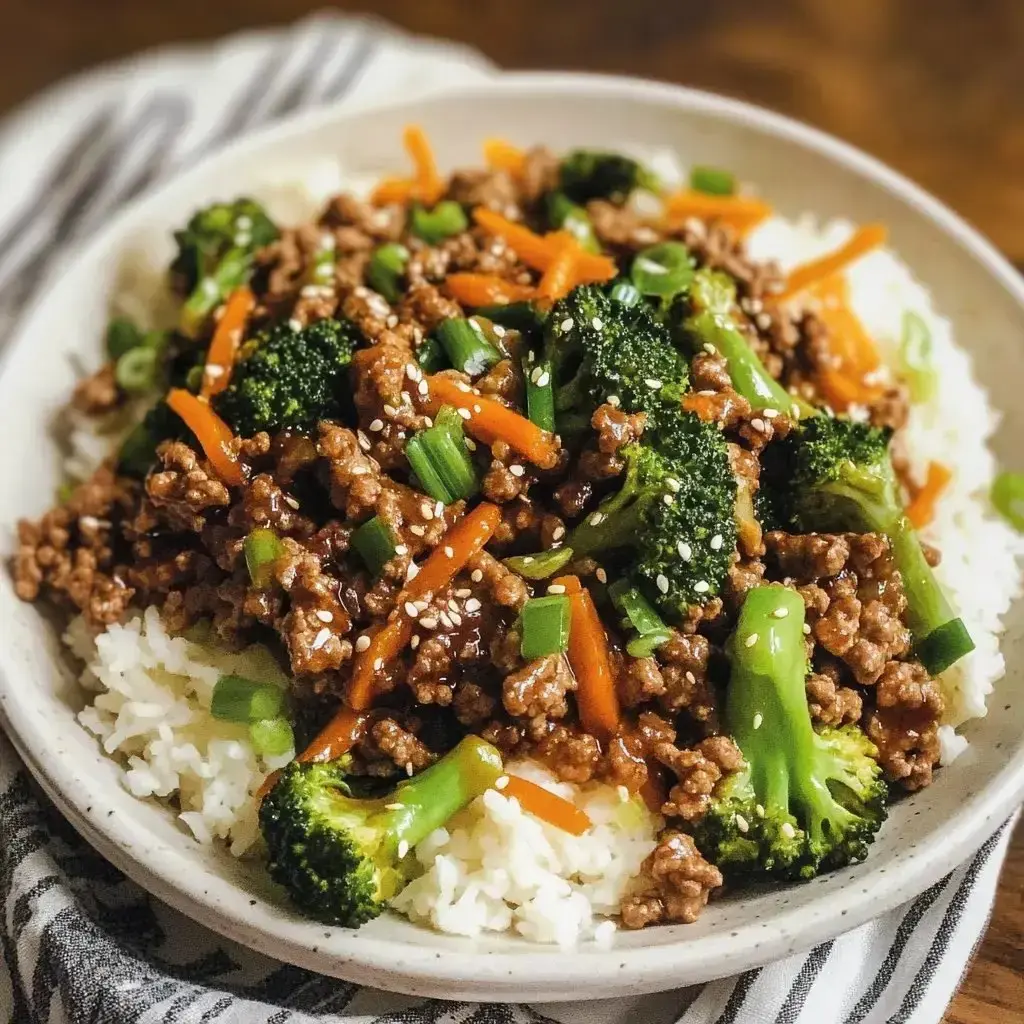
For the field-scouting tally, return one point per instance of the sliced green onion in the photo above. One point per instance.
(520, 316)
(272, 737)
(443, 221)
(262, 548)
(540, 393)
(1008, 498)
(321, 267)
(466, 346)
(431, 355)
(492, 332)
(566, 215)
(625, 292)
(539, 566)
(642, 616)
(375, 543)
(916, 357)
(122, 336)
(545, 626)
(713, 181)
(237, 699)
(664, 270)
(440, 459)
(138, 370)
(386, 266)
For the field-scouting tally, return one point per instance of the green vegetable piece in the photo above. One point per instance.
(540, 566)
(385, 269)
(342, 858)
(642, 616)
(805, 801)
(272, 737)
(440, 459)
(565, 215)
(138, 370)
(138, 450)
(916, 358)
(1008, 498)
(591, 174)
(320, 271)
(625, 292)
(663, 271)
(519, 316)
(237, 699)
(444, 220)
(431, 355)
(545, 626)
(540, 393)
(712, 181)
(466, 347)
(122, 337)
(375, 543)
(262, 548)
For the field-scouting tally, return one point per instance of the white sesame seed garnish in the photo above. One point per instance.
(465, 414)
(416, 530)
(463, 592)
(787, 830)
(290, 501)
(414, 642)
(597, 323)
(742, 824)
(691, 678)
(596, 519)
(662, 582)
(456, 618)
(769, 414)
(429, 623)
(751, 640)
(623, 793)
(364, 441)
(472, 605)
(362, 643)
(613, 401)
(476, 575)
(556, 588)
(477, 409)
(324, 615)
(411, 610)
(427, 510)
(214, 371)
(653, 383)
(438, 509)
(89, 522)
(452, 606)
(567, 324)
(807, 629)
(558, 533)
(780, 613)
(516, 470)
(710, 349)
(759, 810)
(702, 586)
(528, 559)
(668, 499)
(758, 719)
(393, 807)
(716, 542)
(321, 638)
(377, 424)
(401, 549)
(685, 551)
(378, 664)
(449, 551)
(758, 424)
(445, 619)
(543, 380)
(463, 387)
(672, 484)
(501, 783)
(412, 571)
(390, 411)
(469, 443)
(602, 576)
(409, 770)
(295, 325)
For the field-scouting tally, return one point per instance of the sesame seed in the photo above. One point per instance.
(567, 324)
(456, 618)
(716, 542)
(597, 323)
(613, 401)
(393, 807)
(528, 559)
(596, 519)
(780, 613)
(668, 499)
(411, 610)
(421, 604)
(623, 793)
(742, 824)
(758, 719)
(769, 414)
(516, 470)
(758, 424)
(452, 606)
(556, 588)
(295, 325)
(653, 383)
(662, 582)
(751, 640)
(759, 810)
(691, 678)
(476, 575)
(438, 509)
(362, 643)
(378, 664)
(463, 592)
(602, 576)
(672, 484)
(710, 349)
(465, 414)
(324, 615)
(423, 388)
(543, 380)
(429, 623)
(477, 409)
(290, 501)
(321, 638)
(390, 411)
(787, 830)
(411, 371)
(469, 443)
(364, 441)
(501, 783)
(416, 530)
(449, 551)
(414, 642)
(410, 771)
(702, 586)
(401, 549)
(427, 510)
(536, 373)
(463, 387)
(412, 572)
(214, 371)
(472, 605)
(359, 470)
(89, 522)
(445, 619)
(685, 551)
(377, 424)
(558, 533)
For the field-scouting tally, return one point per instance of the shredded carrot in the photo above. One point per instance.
(393, 190)
(490, 421)
(463, 541)
(227, 338)
(540, 251)
(741, 212)
(486, 290)
(213, 433)
(921, 511)
(861, 242)
(547, 806)
(503, 156)
(426, 185)
(590, 661)
(558, 279)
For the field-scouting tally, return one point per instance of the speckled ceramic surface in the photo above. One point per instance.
(798, 169)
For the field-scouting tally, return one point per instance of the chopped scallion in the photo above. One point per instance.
(138, 370)
(431, 356)
(545, 626)
(566, 215)
(122, 336)
(375, 543)
(466, 346)
(713, 181)
(916, 357)
(272, 737)
(386, 266)
(664, 270)
(237, 699)
(540, 566)
(520, 316)
(443, 221)
(321, 267)
(262, 548)
(540, 393)
(625, 292)
(1008, 498)
(641, 616)
(440, 459)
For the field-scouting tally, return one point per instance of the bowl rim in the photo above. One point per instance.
(532, 971)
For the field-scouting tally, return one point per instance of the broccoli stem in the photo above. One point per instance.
(425, 802)
(230, 273)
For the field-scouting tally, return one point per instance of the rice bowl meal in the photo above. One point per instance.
(549, 547)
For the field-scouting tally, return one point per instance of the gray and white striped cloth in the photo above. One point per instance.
(81, 943)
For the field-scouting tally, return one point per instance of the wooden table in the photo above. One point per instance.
(935, 89)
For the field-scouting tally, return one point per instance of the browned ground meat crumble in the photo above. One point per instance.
(176, 541)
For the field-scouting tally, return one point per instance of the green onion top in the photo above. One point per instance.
(663, 271)
(916, 358)
(540, 393)
(386, 266)
(542, 565)
(272, 737)
(625, 292)
(237, 699)
(713, 181)
(138, 370)
(375, 543)
(467, 348)
(443, 221)
(641, 616)
(440, 459)
(566, 215)
(545, 626)
(262, 548)
(1008, 498)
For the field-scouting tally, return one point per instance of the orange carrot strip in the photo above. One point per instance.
(558, 278)
(742, 212)
(463, 540)
(485, 290)
(588, 656)
(921, 511)
(392, 190)
(213, 433)
(429, 184)
(503, 156)
(861, 242)
(540, 251)
(547, 806)
(220, 358)
(490, 421)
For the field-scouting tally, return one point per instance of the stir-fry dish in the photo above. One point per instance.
(525, 548)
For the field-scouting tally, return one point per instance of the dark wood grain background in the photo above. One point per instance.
(933, 87)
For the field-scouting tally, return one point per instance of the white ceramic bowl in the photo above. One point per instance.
(798, 169)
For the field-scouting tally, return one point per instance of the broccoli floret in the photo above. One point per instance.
(215, 256)
(804, 801)
(673, 517)
(835, 474)
(289, 378)
(600, 348)
(589, 174)
(341, 857)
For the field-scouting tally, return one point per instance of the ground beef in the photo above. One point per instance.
(388, 739)
(830, 702)
(540, 173)
(807, 556)
(684, 659)
(98, 393)
(697, 770)
(494, 189)
(186, 488)
(618, 227)
(573, 755)
(908, 744)
(539, 688)
(677, 882)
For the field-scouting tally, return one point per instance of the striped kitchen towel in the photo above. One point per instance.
(81, 943)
